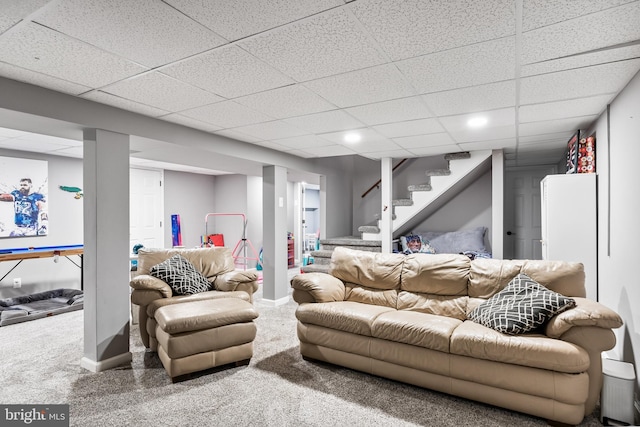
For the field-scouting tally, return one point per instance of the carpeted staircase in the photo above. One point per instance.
(322, 257)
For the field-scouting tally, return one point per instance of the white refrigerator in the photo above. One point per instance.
(570, 223)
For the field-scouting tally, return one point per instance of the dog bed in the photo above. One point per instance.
(39, 305)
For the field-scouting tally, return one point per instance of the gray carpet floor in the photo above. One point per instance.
(40, 363)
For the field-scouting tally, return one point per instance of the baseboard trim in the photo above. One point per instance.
(275, 303)
(103, 365)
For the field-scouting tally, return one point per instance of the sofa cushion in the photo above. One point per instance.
(522, 306)
(181, 275)
(439, 274)
(370, 269)
(443, 305)
(346, 316)
(357, 293)
(534, 350)
(420, 329)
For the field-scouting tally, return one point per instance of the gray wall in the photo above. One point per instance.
(192, 197)
(339, 173)
(618, 225)
(65, 228)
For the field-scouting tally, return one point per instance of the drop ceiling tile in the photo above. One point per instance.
(409, 128)
(546, 137)
(595, 31)
(411, 28)
(14, 11)
(494, 144)
(149, 32)
(404, 109)
(556, 126)
(301, 153)
(38, 137)
(6, 133)
(540, 13)
(77, 152)
(241, 18)
(125, 104)
(496, 118)
(328, 121)
(271, 130)
(227, 114)
(423, 141)
(488, 134)
(272, 145)
(40, 49)
(365, 86)
(189, 122)
(564, 109)
(28, 145)
(370, 140)
(472, 99)
(228, 71)
(303, 142)
(39, 79)
(161, 91)
(323, 45)
(288, 101)
(435, 150)
(234, 134)
(330, 151)
(473, 65)
(578, 83)
(394, 154)
(580, 61)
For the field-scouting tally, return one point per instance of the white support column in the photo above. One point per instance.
(275, 284)
(386, 217)
(497, 203)
(323, 207)
(106, 250)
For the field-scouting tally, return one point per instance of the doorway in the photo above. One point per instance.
(522, 212)
(310, 218)
(146, 203)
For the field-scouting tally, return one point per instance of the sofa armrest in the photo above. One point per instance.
(149, 285)
(237, 281)
(586, 313)
(317, 287)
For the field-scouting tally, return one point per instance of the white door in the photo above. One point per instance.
(523, 212)
(146, 207)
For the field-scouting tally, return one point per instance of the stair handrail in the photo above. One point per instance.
(377, 184)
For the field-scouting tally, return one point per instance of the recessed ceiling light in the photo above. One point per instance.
(476, 122)
(352, 137)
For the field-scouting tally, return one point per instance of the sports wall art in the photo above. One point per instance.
(24, 192)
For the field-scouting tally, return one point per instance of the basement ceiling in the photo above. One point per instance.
(298, 76)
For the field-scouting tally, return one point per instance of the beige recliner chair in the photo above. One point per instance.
(202, 330)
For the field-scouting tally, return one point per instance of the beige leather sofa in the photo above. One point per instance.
(216, 264)
(403, 317)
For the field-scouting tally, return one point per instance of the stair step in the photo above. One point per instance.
(315, 268)
(322, 257)
(419, 187)
(353, 242)
(402, 202)
(457, 156)
(368, 229)
(377, 217)
(438, 172)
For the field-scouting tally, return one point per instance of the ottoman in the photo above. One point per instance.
(197, 335)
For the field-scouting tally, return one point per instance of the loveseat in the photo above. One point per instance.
(405, 317)
(150, 293)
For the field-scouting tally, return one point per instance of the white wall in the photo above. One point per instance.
(619, 231)
(65, 228)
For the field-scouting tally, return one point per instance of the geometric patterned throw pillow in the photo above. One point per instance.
(181, 275)
(522, 306)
